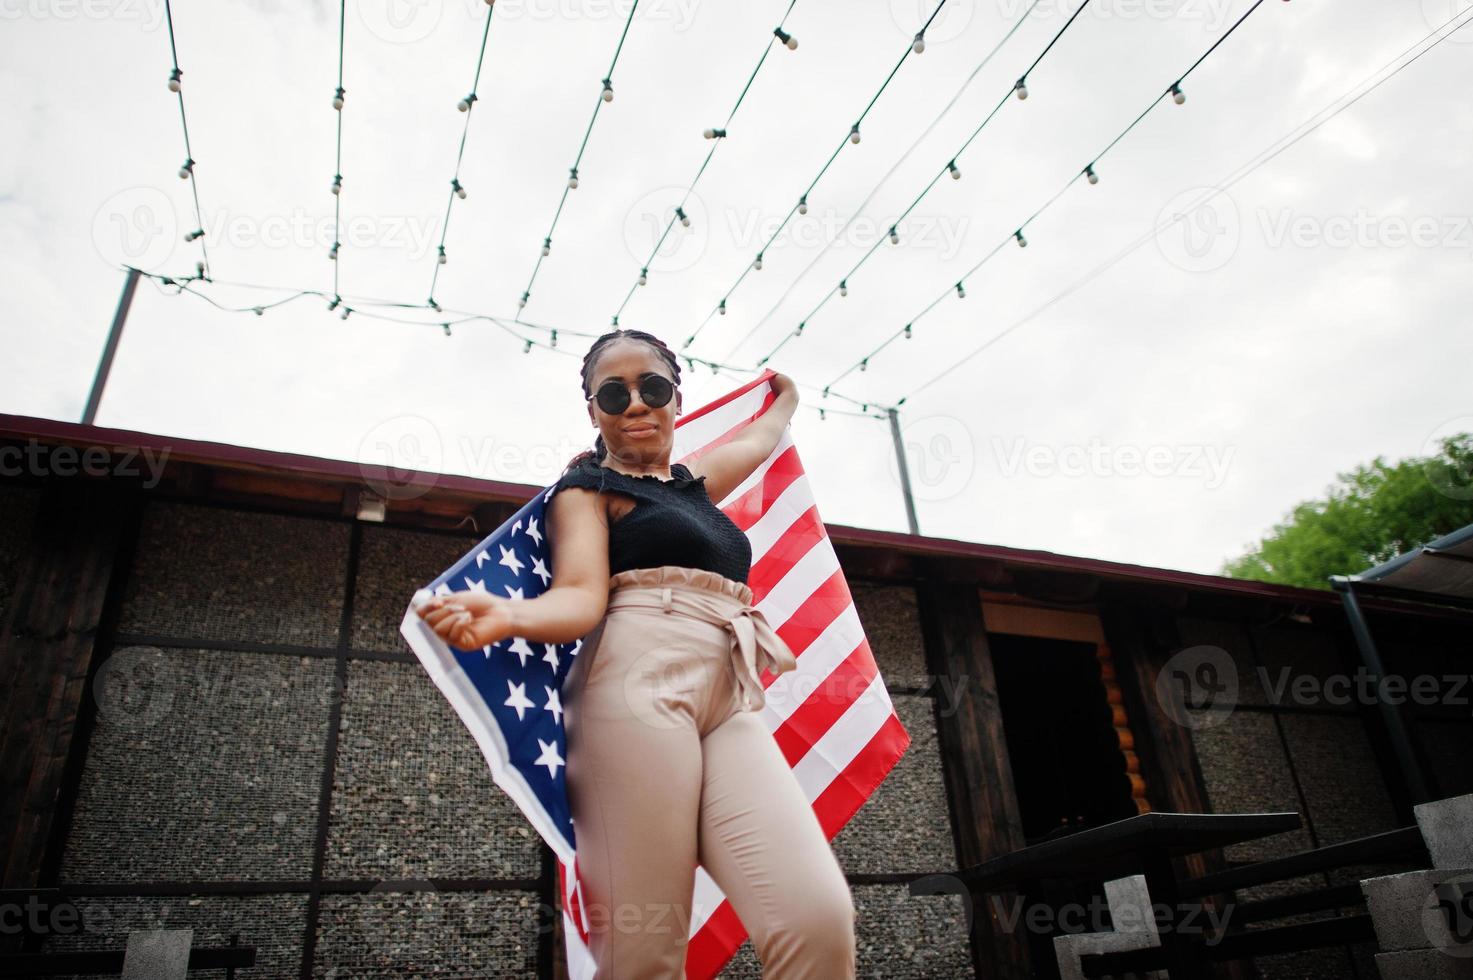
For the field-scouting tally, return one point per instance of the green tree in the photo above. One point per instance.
(1370, 515)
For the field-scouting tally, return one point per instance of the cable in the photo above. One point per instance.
(606, 95)
(456, 190)
(185, 284)
(1020, 89)
(1017, 236)
(885, 179)
(337, 181)
(717, 135)
(1259, 160)
(801, 207)
(187, 169)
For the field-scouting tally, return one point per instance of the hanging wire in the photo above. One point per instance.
(1017, 235)
(716, 141)
(527, 293)
(176, 84)
(456, 190)
(178, 285)
(885, 179)
(850, 136)
(1261, 159)
(337, 198)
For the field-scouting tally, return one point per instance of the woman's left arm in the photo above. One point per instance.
(726, 466)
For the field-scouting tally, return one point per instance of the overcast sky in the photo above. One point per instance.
(1167, 412)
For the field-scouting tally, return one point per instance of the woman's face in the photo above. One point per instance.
(641, 435)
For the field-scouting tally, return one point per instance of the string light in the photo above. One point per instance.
(758, 263)
(337, 98)
(894, 236)
(175, 80)
(955, 173)
(464, 105)
(442, 258)
(457, 188)
(854, 133)
(337, 183)
(1177, 94)
(787, 39)
(684, 218)
(186, 169)
(547, 246)
(606, 95)
(713, 133)
(803, 204)
(332, 253)
(644, 278)
(1021, 88)
(920, 42)
(961, 293)
(1088, 172)
(843, 287)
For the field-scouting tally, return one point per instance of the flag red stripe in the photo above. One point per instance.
(805, 533)
(747, 509)
(830, 698)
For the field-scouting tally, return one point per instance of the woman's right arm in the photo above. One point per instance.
(577, 525)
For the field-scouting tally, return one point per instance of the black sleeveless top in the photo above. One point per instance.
(674, 522)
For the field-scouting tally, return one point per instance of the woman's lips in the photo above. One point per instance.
(641, 430)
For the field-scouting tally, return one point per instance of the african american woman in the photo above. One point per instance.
(669, 765)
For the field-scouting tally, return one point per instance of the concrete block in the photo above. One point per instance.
(157, 954)
(1447, 827)
(1135, 918)
(1426, 964)
(1420, 910)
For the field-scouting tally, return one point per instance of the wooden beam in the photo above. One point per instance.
(47, 647)
(977, 769)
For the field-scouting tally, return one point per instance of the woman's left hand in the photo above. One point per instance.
(782, 384)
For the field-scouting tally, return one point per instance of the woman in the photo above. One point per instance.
(668, 762)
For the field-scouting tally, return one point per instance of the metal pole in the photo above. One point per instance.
(910, 504)
(1391, 715)
(113, 336)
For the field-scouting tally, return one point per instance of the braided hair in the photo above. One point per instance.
(590, 363)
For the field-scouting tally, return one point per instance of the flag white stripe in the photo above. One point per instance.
(790, 505)
(801, 581)
(790, 689)
(700, 432)
(832, 753)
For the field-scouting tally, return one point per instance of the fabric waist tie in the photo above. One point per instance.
(755, 645)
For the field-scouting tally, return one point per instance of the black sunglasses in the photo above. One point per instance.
(655, 390)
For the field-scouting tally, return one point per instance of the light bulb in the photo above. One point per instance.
(644, 276)
(546, 246)
(608, 95)
(1177, 94)
(459, 190)
(332, 304)
(259, 311)
(786, 38)
(907, 331)
(464, 105)
(186, 169)
(1021, 88)
(192, 235)
(864, 364)
(573, 179)
(199, 270)
(337, 99)
(894, 236)
(1022, 242)
(174, 80)
(961, 291)
(337, 184)
(758, 264)
(684, 218)
(920, 43)
(332, 253)
(446, 328)
(1090, 175)
(344, 315)
(803, 204)
(843, 287)
(522, 303)
(955, 173)
(854, 133)
(721, 308)
(442, 255)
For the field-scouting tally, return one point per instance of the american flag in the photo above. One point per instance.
(832, 716)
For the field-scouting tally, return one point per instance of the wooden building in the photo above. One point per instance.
(211, 720)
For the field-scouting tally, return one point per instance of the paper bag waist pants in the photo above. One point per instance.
(670, 766)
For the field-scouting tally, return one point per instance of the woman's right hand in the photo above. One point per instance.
(469, 620)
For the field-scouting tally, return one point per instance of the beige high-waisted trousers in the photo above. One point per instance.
(669, 765)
